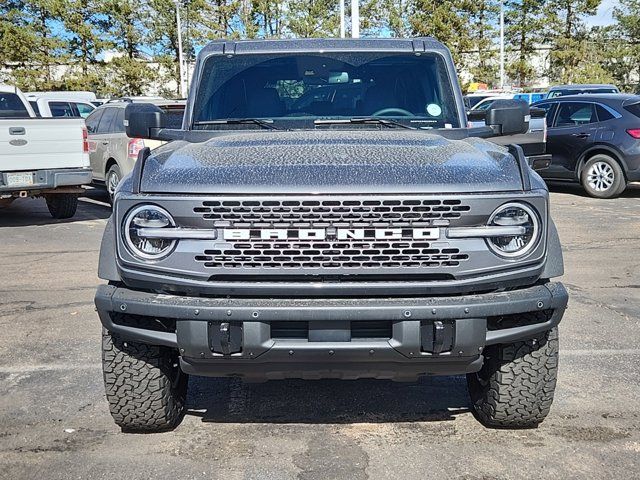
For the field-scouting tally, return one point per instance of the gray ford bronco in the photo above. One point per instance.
(326, 212)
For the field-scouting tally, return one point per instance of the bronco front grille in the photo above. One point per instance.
(368, 212)
(327, 254)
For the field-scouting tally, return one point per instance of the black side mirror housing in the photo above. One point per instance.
(144, 120)
(508, 117)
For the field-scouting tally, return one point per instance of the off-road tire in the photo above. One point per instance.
(62, 205)
(515, 387)
(145, 387)
(619, 182)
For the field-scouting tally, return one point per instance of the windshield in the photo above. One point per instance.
(294, 88)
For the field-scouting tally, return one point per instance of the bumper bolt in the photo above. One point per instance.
(182, 350)
(196, 312)
(123, 307)
(540, 304)
(228, 313)
(202, 354)
(290, 352)
(331, 352)
(407, 313)
(371, 352)
(466, 310)
(255, 314)
(433, 311)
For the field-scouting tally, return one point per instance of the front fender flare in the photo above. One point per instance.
(554, 266)
(107, 265)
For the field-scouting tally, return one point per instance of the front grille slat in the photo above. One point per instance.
(330, 253)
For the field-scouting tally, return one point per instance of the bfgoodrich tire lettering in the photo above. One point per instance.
(144, 385)
(515, 387)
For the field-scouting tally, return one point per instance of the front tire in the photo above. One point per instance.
(62, 205)
(602, 177)
(144, 385)
(515, 387)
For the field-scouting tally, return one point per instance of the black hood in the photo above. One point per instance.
(330, 161)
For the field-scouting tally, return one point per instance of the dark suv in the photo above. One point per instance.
(594, 140)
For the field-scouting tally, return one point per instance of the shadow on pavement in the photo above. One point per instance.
(632, 191)
(327, 401)
(93, 205)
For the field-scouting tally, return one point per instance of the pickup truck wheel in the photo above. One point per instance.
(602, 177)
(62, 205)
(113, 178)
(145, 387)
(515, 387)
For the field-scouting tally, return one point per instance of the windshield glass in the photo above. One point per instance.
(298, 88)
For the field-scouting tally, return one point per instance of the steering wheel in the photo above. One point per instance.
(392, 111)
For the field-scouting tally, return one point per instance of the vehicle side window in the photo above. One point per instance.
(550, 109)
(61, 109)
(84, 109)
(12, 107)
(107, 119)
(604, 114)
(571, 114)
(34, 105)
(93, 120)
(118, 124)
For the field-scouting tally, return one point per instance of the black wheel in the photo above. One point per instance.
(112, 179)
(145, 387)
(62, 205)
(515, 387)
(602, 177)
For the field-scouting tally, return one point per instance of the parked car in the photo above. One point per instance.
(112, 153)
(56, 106)
(41, 157)
(594, 140)
(563, 90)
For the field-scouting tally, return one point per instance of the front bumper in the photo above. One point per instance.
(49, 179)
(469, 322)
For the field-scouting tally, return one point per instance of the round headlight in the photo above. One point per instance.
(517, 244)
(142, 231)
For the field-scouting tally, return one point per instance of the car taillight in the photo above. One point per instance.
(85, 140)
(634, 132)
(134, 147)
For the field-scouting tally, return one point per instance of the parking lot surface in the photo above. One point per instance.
(55, 424)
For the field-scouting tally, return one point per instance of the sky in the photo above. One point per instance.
(604, 15)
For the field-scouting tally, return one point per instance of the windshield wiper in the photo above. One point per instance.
(268, 124)
(387, 122)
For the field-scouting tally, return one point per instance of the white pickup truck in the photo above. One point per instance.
(41, 157)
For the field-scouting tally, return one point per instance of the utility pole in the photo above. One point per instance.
(501, 44)
(355, 19)
(341, 18)
(183, 88)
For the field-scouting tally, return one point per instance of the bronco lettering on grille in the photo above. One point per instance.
(331, 233)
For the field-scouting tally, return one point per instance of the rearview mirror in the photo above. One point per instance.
(508, 117)
(144, 120)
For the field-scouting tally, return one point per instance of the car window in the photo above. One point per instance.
(571, 114)
(549, 108)
(61, 109)
(93, 120)
(11, 106)
(118, 123)
(107, 120)
(34, 105)
(634, 109)
(84, 109)
(604, 114)
(485, 105)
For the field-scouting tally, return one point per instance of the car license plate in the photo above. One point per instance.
(19, 179)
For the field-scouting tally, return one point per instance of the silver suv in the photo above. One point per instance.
(111, 151)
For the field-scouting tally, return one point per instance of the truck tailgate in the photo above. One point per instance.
(42, 143)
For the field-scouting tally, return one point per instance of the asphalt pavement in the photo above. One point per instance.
(55, 423)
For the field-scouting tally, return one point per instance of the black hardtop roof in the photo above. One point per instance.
(319, 45)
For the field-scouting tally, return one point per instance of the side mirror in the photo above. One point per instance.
(144, 120)
(508, 117)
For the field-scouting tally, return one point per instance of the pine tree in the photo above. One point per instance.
(523, 34)
(313, 18)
